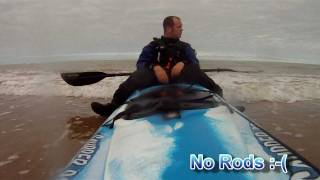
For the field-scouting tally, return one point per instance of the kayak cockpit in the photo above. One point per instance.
(167, 100)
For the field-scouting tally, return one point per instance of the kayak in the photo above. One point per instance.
(184, 132)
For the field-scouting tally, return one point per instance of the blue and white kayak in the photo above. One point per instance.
(184, 132)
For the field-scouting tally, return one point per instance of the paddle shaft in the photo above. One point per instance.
(86, 78)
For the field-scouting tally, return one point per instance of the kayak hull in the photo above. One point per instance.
(154, 147)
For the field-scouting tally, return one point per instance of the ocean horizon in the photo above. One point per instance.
(134, 57)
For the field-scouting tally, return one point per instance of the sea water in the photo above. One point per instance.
(279, 82)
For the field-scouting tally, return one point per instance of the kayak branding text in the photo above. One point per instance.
(298, 168)
(83, 157)
(227, 162)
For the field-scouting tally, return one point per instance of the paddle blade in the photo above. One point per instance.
(82, 78)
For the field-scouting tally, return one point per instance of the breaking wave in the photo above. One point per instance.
(237, 86)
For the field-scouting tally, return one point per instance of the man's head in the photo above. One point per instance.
(172, 27)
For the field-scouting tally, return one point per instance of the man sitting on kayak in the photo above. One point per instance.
(162, 61)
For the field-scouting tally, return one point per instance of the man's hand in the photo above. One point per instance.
(161, 74)
(176, 70)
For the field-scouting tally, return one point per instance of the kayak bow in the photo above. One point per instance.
(145, 143)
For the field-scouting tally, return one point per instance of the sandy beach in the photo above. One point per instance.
(39, 134)
(44, 121)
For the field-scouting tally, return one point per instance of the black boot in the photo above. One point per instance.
(103, 110)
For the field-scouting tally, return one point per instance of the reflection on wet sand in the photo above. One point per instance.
(40, 135)
(83, 128)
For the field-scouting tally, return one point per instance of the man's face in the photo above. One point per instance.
(176, 30)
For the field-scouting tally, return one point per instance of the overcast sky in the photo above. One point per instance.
(253, 29)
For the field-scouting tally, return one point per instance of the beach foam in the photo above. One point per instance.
(270, 87)
(237, 86)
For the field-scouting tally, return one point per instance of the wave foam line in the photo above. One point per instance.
(237, 86)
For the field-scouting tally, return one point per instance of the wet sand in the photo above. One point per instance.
(39, 135)
(296, 124)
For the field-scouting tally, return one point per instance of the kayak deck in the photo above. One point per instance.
(153, 147)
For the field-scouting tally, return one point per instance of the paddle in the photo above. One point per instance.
(86, 78)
